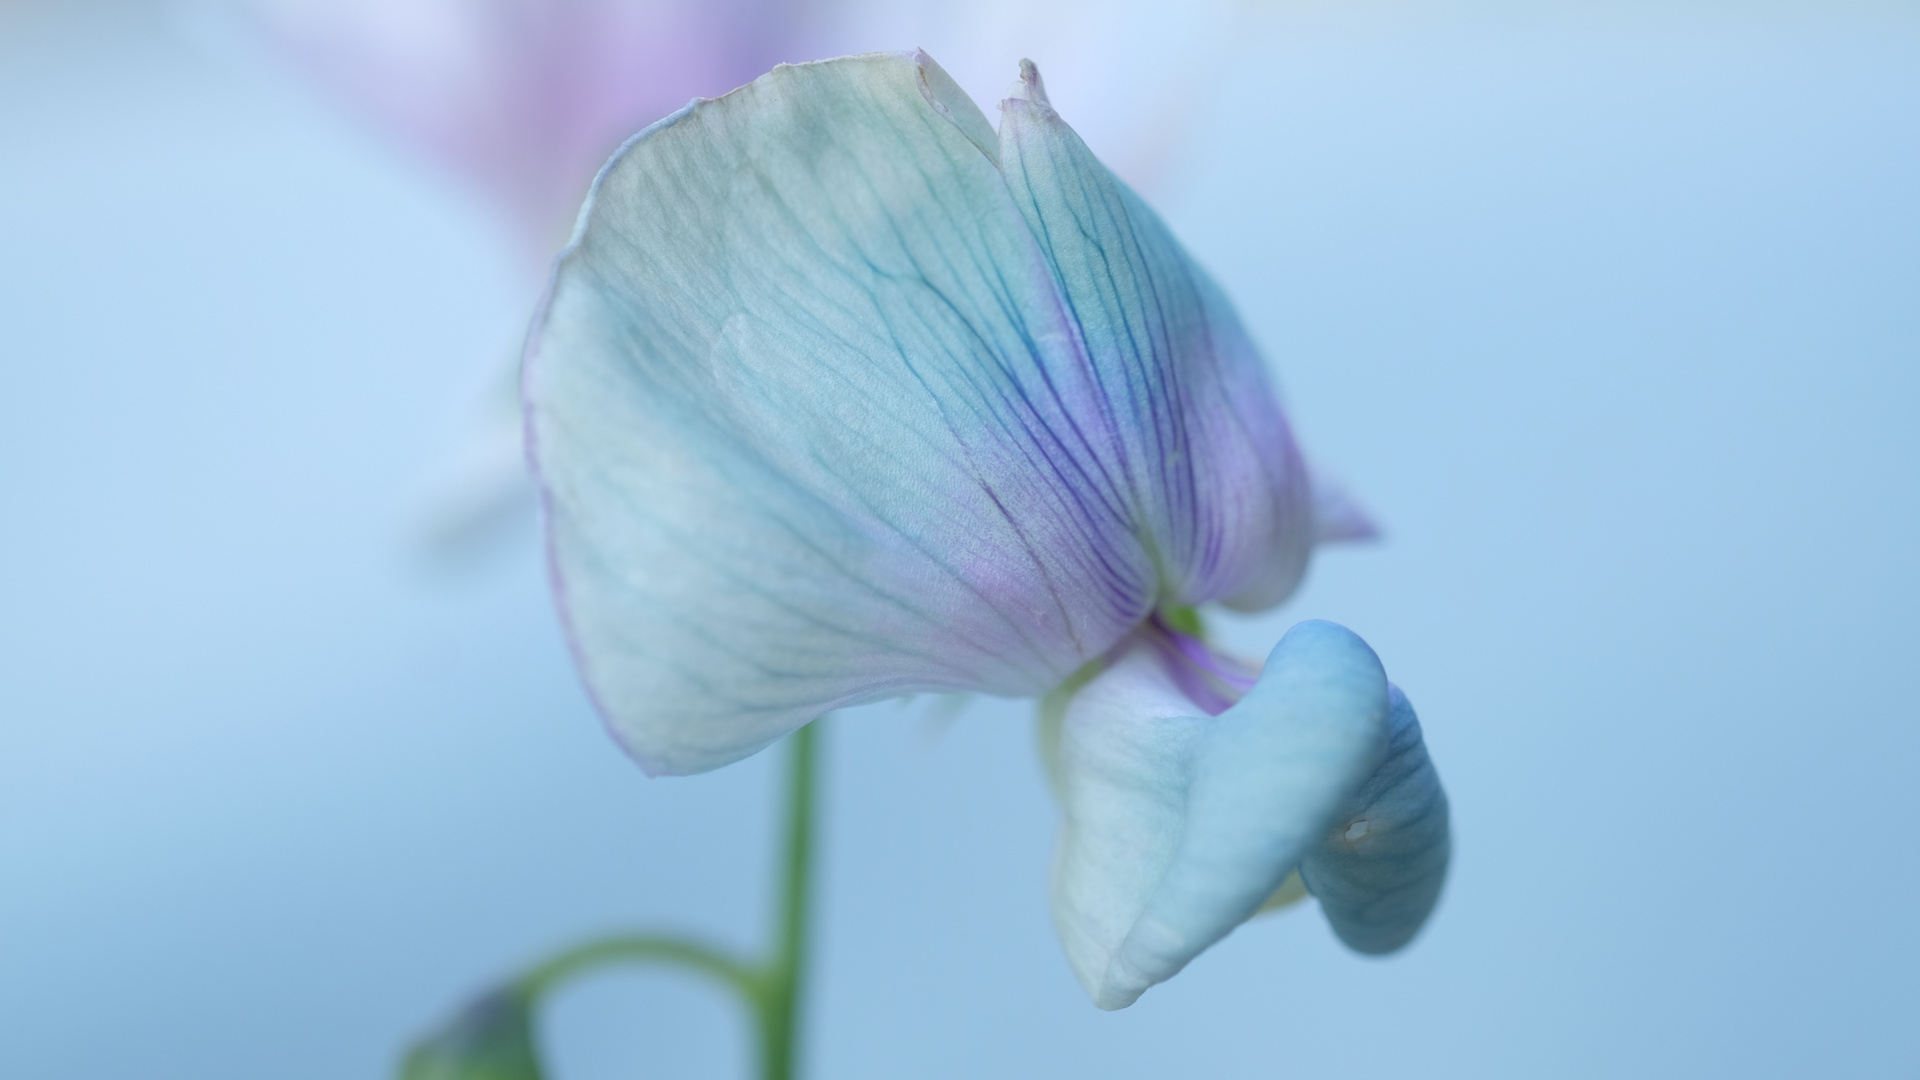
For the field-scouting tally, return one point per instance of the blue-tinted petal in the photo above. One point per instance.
(807, 412)
(1178, 826)
(1193, 432)
(1377, 871)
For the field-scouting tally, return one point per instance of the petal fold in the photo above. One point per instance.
(1178, 826)
(1377, 871)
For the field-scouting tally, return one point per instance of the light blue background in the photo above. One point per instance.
(1614, 320)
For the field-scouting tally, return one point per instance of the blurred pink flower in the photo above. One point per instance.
(526, 98)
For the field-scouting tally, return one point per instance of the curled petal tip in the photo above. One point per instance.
(1030, 87)
(951, 102)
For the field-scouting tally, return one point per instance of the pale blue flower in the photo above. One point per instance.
(840, 394)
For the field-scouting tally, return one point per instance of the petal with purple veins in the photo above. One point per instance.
(826, 411)
(1184, 409)
(802, 405)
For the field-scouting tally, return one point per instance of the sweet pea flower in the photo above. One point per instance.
(491, 1039)
(841, 394)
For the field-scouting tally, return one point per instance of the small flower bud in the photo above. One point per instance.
(491, 1039)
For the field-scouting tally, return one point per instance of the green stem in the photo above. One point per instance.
(783, 977)
(642, 948)
(771, 989)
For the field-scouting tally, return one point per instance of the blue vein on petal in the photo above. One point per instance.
(1168, 424)
(1038, 426)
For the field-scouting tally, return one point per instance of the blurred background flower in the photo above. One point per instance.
(525, 98)
(1606, 308)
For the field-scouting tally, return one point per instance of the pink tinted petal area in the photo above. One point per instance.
(529, 97)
